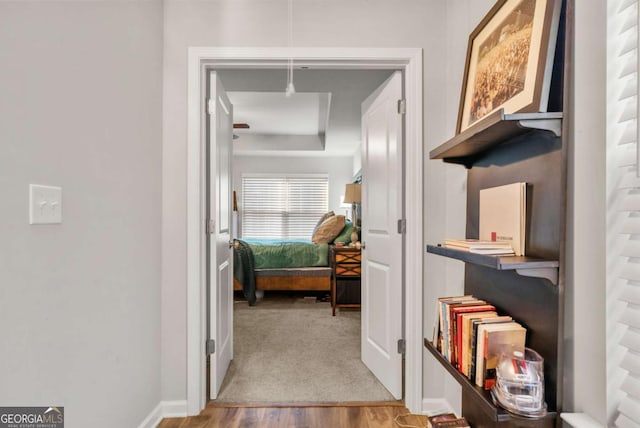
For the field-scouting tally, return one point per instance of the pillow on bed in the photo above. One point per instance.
(322, 219)
(345, 235)
(328, 230)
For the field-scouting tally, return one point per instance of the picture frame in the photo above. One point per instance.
(509, 60)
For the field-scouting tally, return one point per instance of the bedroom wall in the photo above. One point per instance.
(337, 168)
(357, 23)
(80, 108)
(357, 161)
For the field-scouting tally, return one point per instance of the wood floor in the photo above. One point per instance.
(374, 416)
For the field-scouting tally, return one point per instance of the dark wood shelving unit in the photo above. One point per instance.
(530, 148)
(481, 394)
(483, 397)
(523, 265)
(492, 131)
(530, 289)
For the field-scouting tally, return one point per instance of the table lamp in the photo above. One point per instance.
(352, 195)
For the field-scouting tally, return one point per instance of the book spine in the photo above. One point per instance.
(454, 339)
(479, 356)
(442, 329)
(457, 423)
(436, 328)
(465, 346)
(474, 351)
(459, 349)
(474, 348)
(445, 331)
(451, 335)
(483, 368)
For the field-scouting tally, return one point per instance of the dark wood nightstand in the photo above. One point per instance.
(345, 281)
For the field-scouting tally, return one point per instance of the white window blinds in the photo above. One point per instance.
(623, 215)
(285, 207)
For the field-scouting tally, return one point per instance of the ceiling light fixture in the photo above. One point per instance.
(290, 89)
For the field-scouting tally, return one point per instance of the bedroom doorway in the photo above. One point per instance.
(409, 61)
(281, 194)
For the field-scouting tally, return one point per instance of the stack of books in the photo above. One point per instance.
(478, 246)
(447, 420)
(503, 215)
(471, 335)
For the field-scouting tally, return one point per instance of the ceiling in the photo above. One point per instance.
(306, 113)
(321, 119)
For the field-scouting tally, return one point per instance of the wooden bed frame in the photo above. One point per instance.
(310, 278)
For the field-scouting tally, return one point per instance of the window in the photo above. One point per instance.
(287, 207)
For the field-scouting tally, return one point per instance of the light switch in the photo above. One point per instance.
(45, 204)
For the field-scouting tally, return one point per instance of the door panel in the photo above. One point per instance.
(225, 121)
(378, 207)
(220, 271)
(225, 319)
(382, 207)
(378, 304)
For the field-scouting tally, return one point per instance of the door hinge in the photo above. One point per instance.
(402, 226)
(209, 226)
(211, 347)
(402, 106)
(211, 106)
(402, 346)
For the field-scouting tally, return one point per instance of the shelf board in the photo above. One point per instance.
(523, 265)
(483, 396)
(493, 130)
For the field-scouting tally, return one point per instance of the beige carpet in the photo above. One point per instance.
(288, 350)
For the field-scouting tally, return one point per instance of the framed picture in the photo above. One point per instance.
(509, 60)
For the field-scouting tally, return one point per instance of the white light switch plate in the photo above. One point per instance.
(45, 204)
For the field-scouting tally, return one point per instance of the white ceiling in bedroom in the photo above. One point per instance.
(279, 123)
(321, 119)
(306, 113)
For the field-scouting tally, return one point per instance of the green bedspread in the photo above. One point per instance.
(276, 254)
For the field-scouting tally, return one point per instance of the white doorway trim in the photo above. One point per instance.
(407, 59)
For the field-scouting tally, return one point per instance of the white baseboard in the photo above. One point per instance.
(165, 409)
(434, 406)
(580, 420)
(153, 419)
(174, 409)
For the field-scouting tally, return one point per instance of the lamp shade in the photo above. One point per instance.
(352, 193)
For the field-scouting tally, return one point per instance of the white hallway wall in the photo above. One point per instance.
(358, 23)
(585, 332)
(446, 217)
(379, 23)
(80, 107)
(106, 341)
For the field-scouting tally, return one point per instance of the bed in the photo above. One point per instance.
(280, 265)
(272, 264)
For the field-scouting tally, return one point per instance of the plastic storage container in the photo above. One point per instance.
(519, 386)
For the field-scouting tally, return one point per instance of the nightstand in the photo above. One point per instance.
(345, 281)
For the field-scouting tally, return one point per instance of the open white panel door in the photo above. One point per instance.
(382, 208)
(220, 268)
